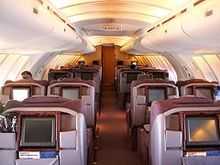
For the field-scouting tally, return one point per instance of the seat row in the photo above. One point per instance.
(73, 89)
(45, 130)
(124, 75)
(151, 101)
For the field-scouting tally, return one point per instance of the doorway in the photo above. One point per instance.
(108, 65)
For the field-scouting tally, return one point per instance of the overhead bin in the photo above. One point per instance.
(202, 23)
(168, 37)
(195, 28)
(134, 47)
(33, 25)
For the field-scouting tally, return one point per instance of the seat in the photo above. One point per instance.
(76, 89)
(22, 89)
(143, 93)
(125, 77)
(169, 140)
(197, 87)
(71, 146)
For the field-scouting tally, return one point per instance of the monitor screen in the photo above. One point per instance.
(61, 76)
(202, 131)
(20, 94)
(131, 77)
(71, 93)
(156, 94)
(38, 132)
(86, 75)
(204, 92)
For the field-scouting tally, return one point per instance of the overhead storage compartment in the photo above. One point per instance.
(134, 47)
(202, 24)
(32, 25)
(194, 29)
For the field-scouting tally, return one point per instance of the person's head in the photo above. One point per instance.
(26, 75)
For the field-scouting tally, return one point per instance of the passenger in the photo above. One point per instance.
(27, 75)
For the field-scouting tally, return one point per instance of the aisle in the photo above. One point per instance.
(114, 142)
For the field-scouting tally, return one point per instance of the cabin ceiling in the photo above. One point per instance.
(114, 21)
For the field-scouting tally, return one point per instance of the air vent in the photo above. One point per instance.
(183, 11)
(198, 2)
(35, 11)
(209, 13)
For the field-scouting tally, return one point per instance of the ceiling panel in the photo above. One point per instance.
(84, 15)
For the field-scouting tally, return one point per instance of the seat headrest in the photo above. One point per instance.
(46, 101)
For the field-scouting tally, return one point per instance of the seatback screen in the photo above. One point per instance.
(20, 94)
(38, 132)
(71, 93)
(202, 131)
(131, 77)
(204, 92)
(156, 94)
(86, 76)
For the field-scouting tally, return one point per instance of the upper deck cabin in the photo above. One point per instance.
(138, 71)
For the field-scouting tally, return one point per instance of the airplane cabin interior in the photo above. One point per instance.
(109, 82)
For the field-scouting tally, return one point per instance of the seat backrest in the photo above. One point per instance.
(197, 87)
(60, 74)
(144, 92)
(69, 130)
(125, 79)
(175, 121)
(77, 90)
(22, 89)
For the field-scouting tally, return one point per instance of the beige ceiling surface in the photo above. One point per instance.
(117, 18)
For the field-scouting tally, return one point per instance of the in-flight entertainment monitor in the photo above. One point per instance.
(71, 93)
(86, 75)
(202, 131)
(20, 94)
(131, 77)
(38, 132)
(156, 94)
(204, 92)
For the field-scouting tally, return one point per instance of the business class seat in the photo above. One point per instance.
(60, 74)
(155, 73)
(21, 89)
(143, 93)
(45, 130)
(125, 78)
(197, 87)
(89, 73)
(183, 131)
(76, 89)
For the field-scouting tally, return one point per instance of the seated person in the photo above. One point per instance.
(27, 75)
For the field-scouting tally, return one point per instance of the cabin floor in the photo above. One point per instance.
(114, 143)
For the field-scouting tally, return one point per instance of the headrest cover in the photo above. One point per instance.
(46, 101)
(75, 80)
(156, 81)
(186, 82)
(40, 82)
(163, 106)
